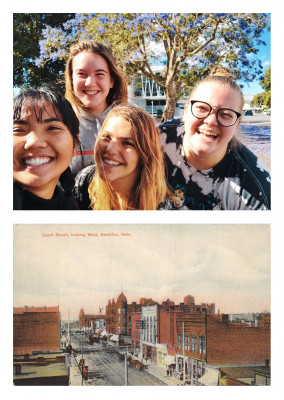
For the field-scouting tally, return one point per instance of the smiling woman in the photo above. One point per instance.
(45, 134)
(129, 169)
(206, 165)
(94, 85)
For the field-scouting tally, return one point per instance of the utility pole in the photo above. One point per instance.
(183, 357)
(83, 361)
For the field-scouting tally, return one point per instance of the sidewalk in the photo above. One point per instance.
(75, 377)
(160, 373)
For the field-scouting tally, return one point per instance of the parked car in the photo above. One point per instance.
(248, 112)
(266, 112)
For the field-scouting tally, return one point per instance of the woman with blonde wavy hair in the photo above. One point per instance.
(94, 85)
(129, 169)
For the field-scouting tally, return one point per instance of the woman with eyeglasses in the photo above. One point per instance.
(206, 165)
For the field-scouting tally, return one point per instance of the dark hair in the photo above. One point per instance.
(35, 99)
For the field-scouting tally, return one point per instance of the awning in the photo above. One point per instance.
(210, 378)
(114, 338)
(170, 360)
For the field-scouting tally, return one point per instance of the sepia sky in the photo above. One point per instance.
(225, 264)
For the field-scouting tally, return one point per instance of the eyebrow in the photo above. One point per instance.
(45, 121)
(97, 70)
(120, 138)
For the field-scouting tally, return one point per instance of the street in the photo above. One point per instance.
(106, 367)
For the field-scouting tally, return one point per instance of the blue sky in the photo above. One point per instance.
(265, 55)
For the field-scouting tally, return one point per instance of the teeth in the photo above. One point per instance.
(37, 161)
(91, 92)
(110, 162)
(208, 133)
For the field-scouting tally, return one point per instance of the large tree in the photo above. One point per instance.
(27, 32)
(188, 45)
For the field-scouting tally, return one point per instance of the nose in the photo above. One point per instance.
(35, 140)
(89, 81)
(112, 147)
(212, 118)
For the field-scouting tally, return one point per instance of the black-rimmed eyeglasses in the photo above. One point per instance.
(225, 116)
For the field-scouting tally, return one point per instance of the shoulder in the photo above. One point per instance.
(167, 204)
(85, 175)
(82, 182)
(17, 197)
(64, 201)
(255, 176)
(174, 126)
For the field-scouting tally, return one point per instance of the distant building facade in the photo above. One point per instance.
(88, 320)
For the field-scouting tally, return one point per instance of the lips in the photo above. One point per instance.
(91, 92)
(208, 134)
(112, 163)
(36, 161)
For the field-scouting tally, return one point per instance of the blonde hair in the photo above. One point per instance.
(151, 188)
(223, 76)
(117, 94)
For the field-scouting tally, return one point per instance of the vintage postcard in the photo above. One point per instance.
(142, 305)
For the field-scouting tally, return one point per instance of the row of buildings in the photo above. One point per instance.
(199, 345)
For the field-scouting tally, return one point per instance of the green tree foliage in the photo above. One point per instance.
(27, 31)
(264, 99)
(188, 45)
(258, 100)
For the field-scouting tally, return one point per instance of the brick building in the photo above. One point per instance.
(35, 329)
(88, 320)
(135, 332)
(118, 314)
(211, 342)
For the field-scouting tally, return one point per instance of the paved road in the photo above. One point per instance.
(107, 368)
(257, 119)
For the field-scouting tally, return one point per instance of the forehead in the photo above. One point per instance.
(118, 126)
(39, 110)
(86, 59)
(216, 94)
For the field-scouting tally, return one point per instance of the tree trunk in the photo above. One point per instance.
(170, 103)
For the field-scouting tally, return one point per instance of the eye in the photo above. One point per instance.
(105, 137)
(226, 114)
(18, 129)
(128, 143)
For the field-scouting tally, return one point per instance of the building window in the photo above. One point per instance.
(201, 344)
(118, 319)
(123, 329)
(123, 311)
(186, 342)
(118, 311)
(123, 319)
(179, 341)
(118, 329)
(193, 343)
